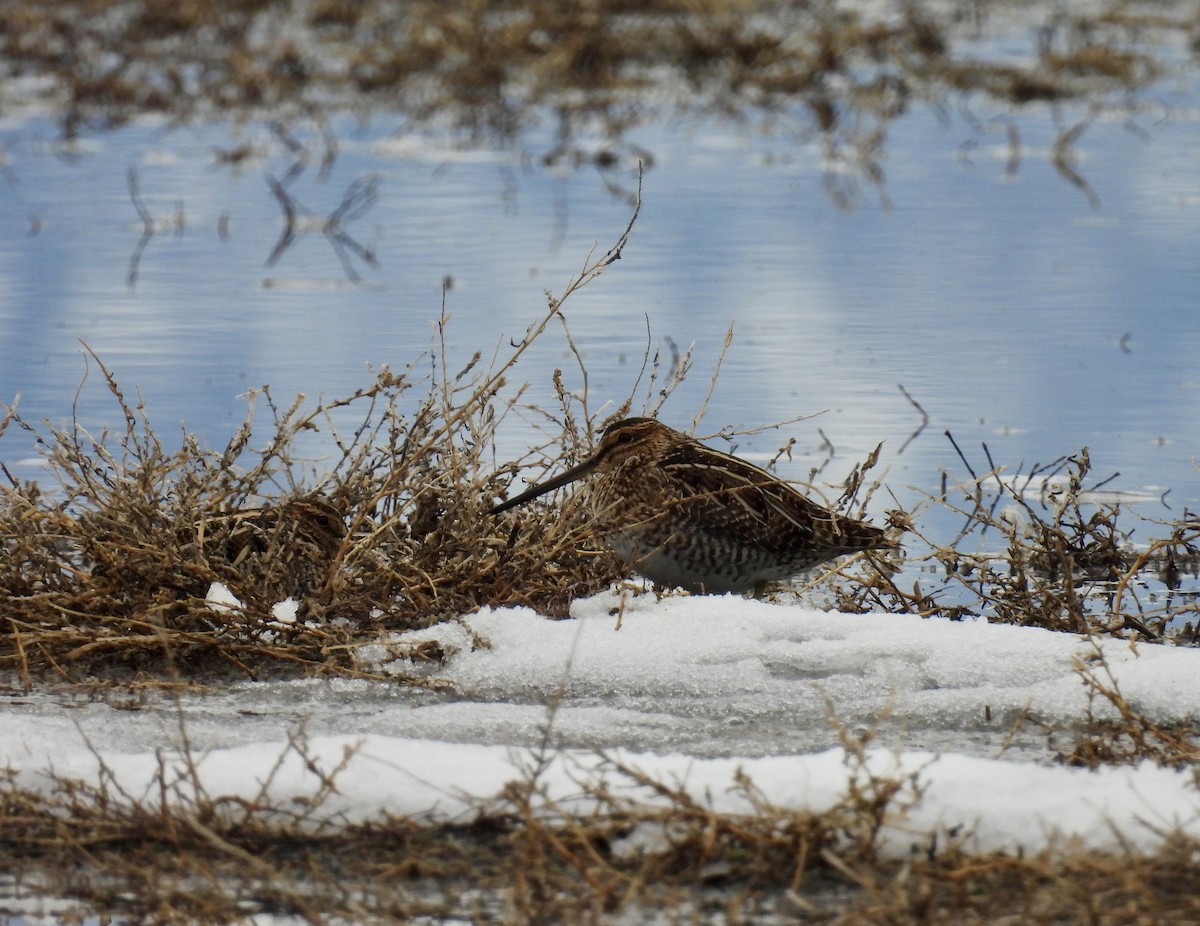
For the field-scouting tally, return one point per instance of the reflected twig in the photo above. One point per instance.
(293, 145)
(135, 196)
(6, 170)
(1063, 158)
(830, 453)
(358, 198)
(1013, 165)
(288, 236)
(924, 418)
(176, 222)
(329, 155)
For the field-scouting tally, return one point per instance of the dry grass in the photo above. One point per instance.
(1045, 549)
(1115, 732)
(179, 855)
(103, 577)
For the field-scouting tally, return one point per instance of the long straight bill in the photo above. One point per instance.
(548, 486)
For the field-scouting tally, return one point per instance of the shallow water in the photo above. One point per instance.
(1013, 310)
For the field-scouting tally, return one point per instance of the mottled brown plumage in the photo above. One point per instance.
(310, 523)
(285, 547)
(684, 514)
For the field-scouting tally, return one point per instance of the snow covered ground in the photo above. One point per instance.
(689, 690)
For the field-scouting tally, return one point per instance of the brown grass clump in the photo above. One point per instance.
(1043, 549)
(1115, 732)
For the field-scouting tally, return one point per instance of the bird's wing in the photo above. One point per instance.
(721, 492)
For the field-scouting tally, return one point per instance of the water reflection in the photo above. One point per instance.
(1009, 307)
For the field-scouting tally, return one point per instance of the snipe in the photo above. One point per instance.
(280, 549)
(681, 513)
(307, 525)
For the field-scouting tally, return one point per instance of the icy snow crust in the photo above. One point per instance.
(689, 690)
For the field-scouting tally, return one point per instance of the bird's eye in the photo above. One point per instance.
(624, 437)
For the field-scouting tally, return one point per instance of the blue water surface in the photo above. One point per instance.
(1017, 308)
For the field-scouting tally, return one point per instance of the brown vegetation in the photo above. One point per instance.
(1042, 549)
(839, 72)
(180, 855)
(104, 576)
